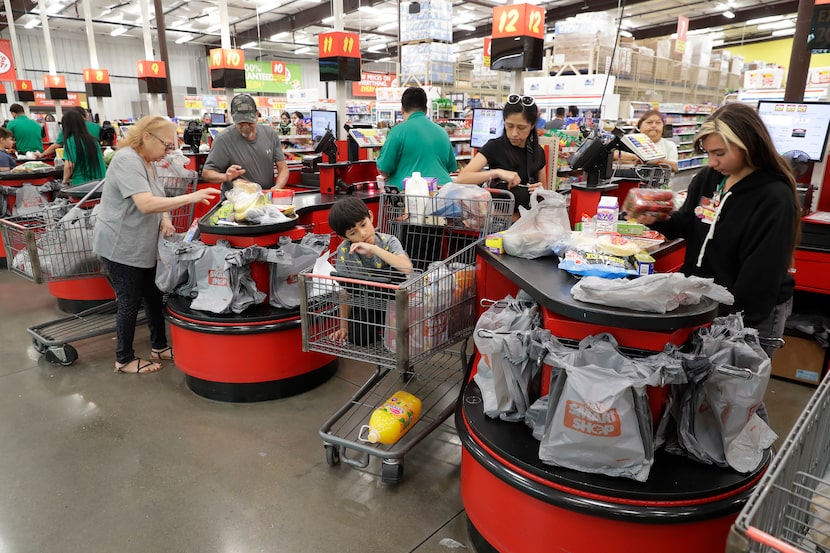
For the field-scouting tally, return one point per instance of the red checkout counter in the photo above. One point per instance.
(516, 503)
(257, 355)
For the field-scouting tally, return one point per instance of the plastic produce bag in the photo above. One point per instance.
(509, 315)
(174, 261)
(174, 173)
(599, 416)
(465, 202)
(656, 293)
(539, 227)
(287, 261)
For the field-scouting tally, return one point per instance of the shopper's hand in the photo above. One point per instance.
(645, 219)
(340, 336)
(205, 195)
(533, 187)
(512, 178)
(234, 172)
(362, 248)
(166, 227)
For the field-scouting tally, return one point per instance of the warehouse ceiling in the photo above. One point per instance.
(288, 29)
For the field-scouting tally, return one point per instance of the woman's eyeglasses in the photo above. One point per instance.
(526, 101)
(168, 147)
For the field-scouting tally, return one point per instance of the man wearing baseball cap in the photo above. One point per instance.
(246, 149)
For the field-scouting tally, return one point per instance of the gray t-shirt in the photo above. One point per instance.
(363, 265)
(123, 233)
(257, 157)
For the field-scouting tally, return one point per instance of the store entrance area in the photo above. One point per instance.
(97, 461)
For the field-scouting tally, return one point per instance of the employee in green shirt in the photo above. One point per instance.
(28, 134)
(417, 144)
(93, 128)
(82, 157)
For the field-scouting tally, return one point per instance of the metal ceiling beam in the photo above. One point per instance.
(718, 20)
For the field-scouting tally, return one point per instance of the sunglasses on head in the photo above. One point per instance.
(524, 100)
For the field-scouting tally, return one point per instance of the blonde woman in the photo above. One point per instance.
(133, 212)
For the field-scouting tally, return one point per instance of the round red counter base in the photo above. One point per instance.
(79, 294)
(241, 360)
(516, 504)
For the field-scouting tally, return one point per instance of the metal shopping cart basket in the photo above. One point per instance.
(789, 512)
(414, 328)
(55, 244)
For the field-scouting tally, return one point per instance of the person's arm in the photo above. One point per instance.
(68, 168)
(399, 261)
(670, 149)
(147, 202)
(390, 154)
(282, 174)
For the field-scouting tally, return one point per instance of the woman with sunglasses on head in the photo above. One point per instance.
(741, 220)
(514, 161)
(132, 214)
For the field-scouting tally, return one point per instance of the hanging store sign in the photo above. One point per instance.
(25, 91)
(339, 44)
(519, 20)
(370, 82)
(152, 77)
(280, 71)
(259, 78)
(487, 45)
(73, 99)
(55, 87)
(97, 82)
(3, 97)
(682, 34)
(6, 61)
(818, 41)
(227, 68)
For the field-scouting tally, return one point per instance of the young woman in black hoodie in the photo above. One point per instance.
(741, 220)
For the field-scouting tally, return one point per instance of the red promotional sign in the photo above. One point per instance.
(54, 81)
(72, 101)
(682, 34)
(2, 88)
(151, 69)
(371, 81)
(25, 86)
(96, 76)
(6, 61)
(339, 44)
(487, 44)
(519, 20)
(225, 58)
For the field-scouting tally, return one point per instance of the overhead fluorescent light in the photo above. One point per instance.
(626, 34)
(118, 31)
(465, 27)
(32, 24)
(278, 36)
(784, 32)
(760, 20)
(248, 45)
(327, 20)
(302, 50)
(213, 28)
(387, 27)
(384, 59)
(376, 48)
(728, 14)
(183, 39)
(717, 42)
(783, 24)
(367, 9)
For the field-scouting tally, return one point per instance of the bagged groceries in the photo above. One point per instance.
(175, 260)
(175, 174)
(466, 203)
(224, 282)
(656, 293)
(649, 201)
(30, 199)
(287, 261)
(538, 228)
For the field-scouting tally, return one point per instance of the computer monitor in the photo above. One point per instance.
(322, 121)
(339, 69)
(799, 126)
(217, 118)
(487, 124)
(327, 145)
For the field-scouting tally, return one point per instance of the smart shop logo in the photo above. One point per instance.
(5, 63)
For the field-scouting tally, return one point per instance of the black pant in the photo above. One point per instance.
(133, 285)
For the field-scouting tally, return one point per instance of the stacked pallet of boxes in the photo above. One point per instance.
(583, 43)
(719, 69)
(426, 37)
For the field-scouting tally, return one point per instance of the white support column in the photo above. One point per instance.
(50, 56)
(154, 100)
(225, 35)
(93, 55)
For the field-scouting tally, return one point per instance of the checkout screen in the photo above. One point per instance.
(797, 126)
(487, 124)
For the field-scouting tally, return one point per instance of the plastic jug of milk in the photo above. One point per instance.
(416, 205)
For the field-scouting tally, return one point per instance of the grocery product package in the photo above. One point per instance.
(174, 173)
(245, 195)
(655, 293)
(649, 201)
(538, 228)
(466, 203)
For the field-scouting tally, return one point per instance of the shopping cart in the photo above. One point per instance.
(55, 244)
(413, 328)
(789, 512)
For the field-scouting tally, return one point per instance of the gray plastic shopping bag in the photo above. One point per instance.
(224, 282)
(174, 261)
(287, 261)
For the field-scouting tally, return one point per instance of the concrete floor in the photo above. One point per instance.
(94, 461)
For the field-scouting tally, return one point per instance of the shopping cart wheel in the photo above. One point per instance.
(391, 471)
(40, 348)
(62, 355)
(332, 455)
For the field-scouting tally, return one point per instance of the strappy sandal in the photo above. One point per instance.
(141, 366)
(165, 354)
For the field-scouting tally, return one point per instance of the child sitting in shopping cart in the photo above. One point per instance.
(363, 254)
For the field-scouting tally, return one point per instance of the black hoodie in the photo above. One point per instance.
(750, 251)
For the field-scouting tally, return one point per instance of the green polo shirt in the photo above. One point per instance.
(93, 128)
(27, 134)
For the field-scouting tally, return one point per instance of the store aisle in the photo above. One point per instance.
(96, 461)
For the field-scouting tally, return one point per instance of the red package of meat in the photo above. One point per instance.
(649, 201)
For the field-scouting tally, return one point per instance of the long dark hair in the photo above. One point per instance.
(740, 126)
(531, 115)
(86, 146)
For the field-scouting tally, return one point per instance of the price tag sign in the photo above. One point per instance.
(226, 58)
(339, 44)
(519, 20)
(152, 69)
(279, 69)
(96, 76)
(488, 44)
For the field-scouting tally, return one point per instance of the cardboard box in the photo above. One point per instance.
(801, 359)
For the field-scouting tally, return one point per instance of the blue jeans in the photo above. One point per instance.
(133, 285)
(771, 329)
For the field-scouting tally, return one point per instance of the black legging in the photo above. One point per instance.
(133, 285)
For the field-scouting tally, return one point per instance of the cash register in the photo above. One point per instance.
(327, 145)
